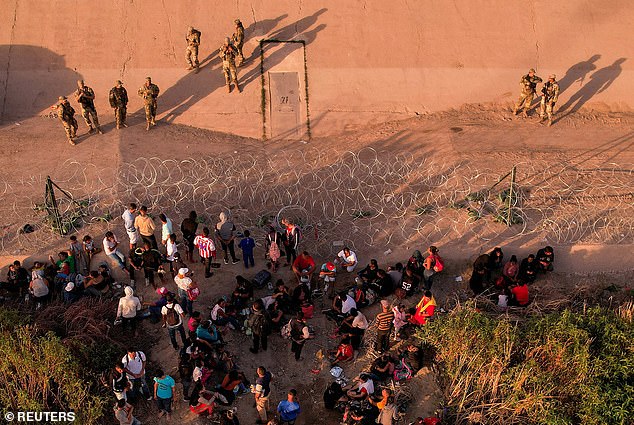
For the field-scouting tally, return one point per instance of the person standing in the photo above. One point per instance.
(130, 228)
(550, 94)
(247, 245)
(134, 366)
(191, 53)
(260, 326)
(149, 92)
(184, 284)
(119, 382)
(118, 98)
(111, 248)
(145, 225)
(238, 40)
(164, 393)
(384, 323)
(206, 250)
(299, 334)
(150, 261)
(225, 232)
(166, 228)
(127, 310)
(173, 317)
(189, 226)
(291, 241)
(123, 413)
(289, 409)
(85, 96)
(528, 84)
(228, 53)
(261, 392)
(66, 115)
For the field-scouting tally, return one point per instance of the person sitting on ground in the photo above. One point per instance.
(479, 274)
(511, 270)
(409, 284)
(207, 332)
(96, 285)
(545, 259)
(528, 269)
(221, 317)
(370, 273)
(304, 266)
(504, 295)
(362, 388)
(242, 293)
(71, 293)
(496, 259)
(395, 273)
(232, 380)
(301, 294)
(282, 295)
(412, 355)
(17, 279)
(382, 286)
(347, 259)
(39, 288)
(417, 264)
(424, 309)
(155, 307)
(380, 403)
(332, 395)
(328, 273)
(359, 294)
(343, 353)
(382, 367)
(519, 294)
(204, 404)
(277, 316)
(354, 326)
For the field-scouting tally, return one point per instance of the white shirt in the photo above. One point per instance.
(183, 282)
(360, 321)
(368, 385)
(38, 287)
(347, 304)
(214, 312)
(134, 365)
(128, 306)
(128, 221)
(171, 249)
(198, 373)
(179, 312)
(166, 230)
(352, 258)
(503, 300)
(110, 247)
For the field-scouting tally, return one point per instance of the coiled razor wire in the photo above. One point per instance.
(364, 199)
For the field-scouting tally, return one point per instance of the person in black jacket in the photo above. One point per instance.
(545, 259)
(528, 269)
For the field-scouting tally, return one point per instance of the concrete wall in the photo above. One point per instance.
(367, 60)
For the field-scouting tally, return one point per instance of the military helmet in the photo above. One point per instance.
(190, 28)
(148, 78)
(118, 83)
(552, 77)
(227, 40)
(532, 70)
(237, 22)
(62, 98)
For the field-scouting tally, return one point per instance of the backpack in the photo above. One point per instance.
(172, 318)
(274, 249)
(193, 292)
(402, 372)
(286, 331)
(439, 264)
(261, 279)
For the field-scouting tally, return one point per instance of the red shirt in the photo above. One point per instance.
(521, 294)
(303, 263)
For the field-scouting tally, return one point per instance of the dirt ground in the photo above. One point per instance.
(385, 191)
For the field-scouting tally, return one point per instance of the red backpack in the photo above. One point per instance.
(439, 264)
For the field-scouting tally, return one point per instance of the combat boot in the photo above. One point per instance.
(72, 142)
(153, 122)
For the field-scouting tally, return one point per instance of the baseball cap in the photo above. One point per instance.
(532, 70)
(183, 271)
(70, 286)
(330, 266)
(385, 303)
(162, 290)
(553, 76)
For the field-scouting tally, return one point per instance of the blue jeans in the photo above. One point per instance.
(248, 258)
(119, 258)
(140, 382)
(164, 404)
(225, 320)
(172, 333)
(185, 302)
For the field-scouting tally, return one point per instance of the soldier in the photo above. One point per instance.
(66, 115)
(550, 93)
(191, 53)
(528, 83)
(85, 96)
(149, 92)
(228, 54)
(238, 40)
(119, 102)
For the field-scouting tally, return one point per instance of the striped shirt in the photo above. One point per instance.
(384, 320)
(205, 246)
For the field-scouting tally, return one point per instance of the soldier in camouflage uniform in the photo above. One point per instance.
(149, 92)
(85, 96)
(66, 115)
(528, 83)
(550, 93)
(228, 54)
(119, 102)
(191, 53)
(238, 40)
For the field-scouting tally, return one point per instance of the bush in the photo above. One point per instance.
(562, 368)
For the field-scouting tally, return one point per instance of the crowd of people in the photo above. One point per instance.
(260, 307)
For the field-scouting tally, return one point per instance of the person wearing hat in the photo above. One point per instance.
(238, 40)
(149, 92)
(528, 84)
(85, 96)
(184, 283)
(228, 53)
(191, 53)
(155, 307)
(66, 115)
(328, 273)
(550, 93)
(118, 98)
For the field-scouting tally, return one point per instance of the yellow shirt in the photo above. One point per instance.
(144, 224)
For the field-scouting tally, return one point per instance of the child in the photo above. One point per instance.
(247, 244)
(89, 249)
(400, 320)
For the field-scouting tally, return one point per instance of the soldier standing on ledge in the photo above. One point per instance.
(238, 40)
(66, 115)
(119, 102)
(528, 83)
(85, 96)
(550, 93)
(149, 92)
(228, 54)
(191, 54)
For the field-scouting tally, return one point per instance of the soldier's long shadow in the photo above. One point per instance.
(577, 72)
(34, 78)
(599, 82)
(194, 87)
(300, 30)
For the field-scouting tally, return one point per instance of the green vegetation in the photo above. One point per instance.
(562, 368)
